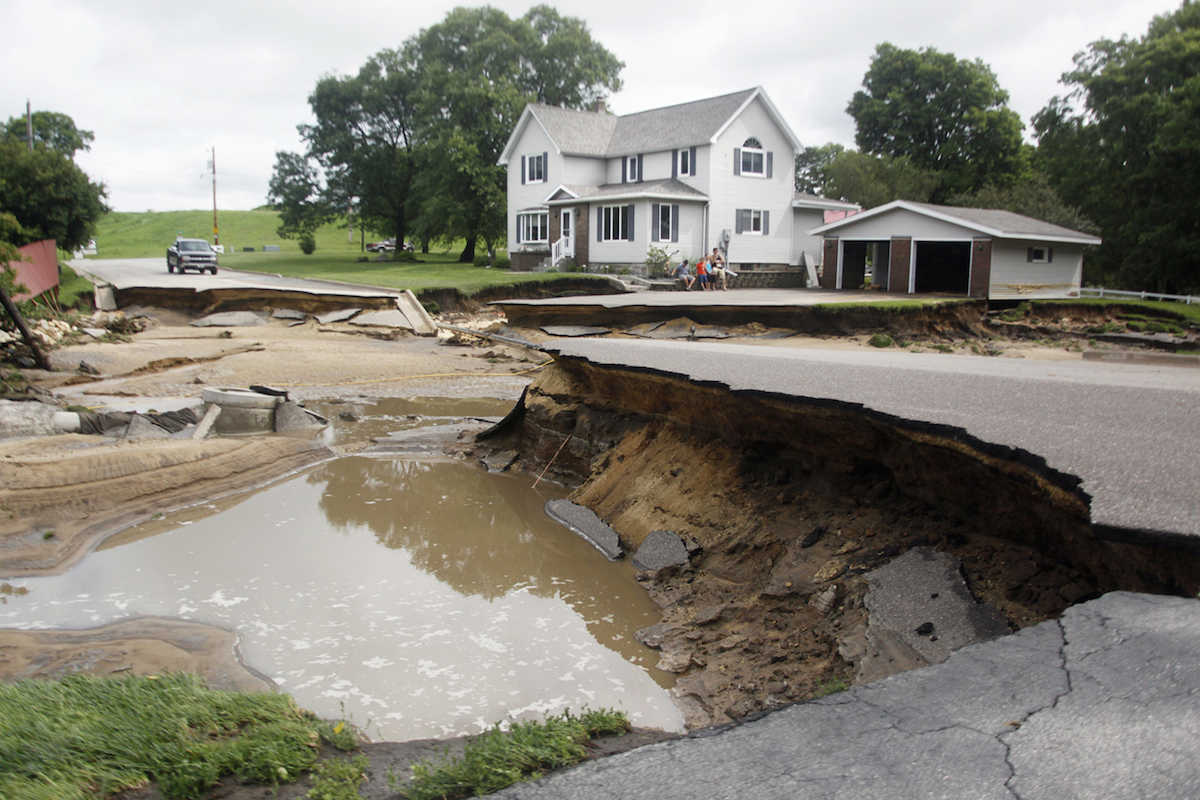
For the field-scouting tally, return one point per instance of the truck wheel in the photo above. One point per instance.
(213, 270)
(170, 267)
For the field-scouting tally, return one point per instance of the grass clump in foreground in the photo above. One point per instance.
(85, 737)
(501, 758)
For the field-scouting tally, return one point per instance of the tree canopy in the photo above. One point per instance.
(416, 134)
(945, 115)
(51, 129)
(1121, 144)
(50, 197)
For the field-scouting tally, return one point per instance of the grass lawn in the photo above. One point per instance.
(1184, 311)
(439, 270)
(892, 304)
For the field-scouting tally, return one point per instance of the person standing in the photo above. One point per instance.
(702, 273)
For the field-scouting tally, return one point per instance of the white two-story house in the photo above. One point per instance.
(600, 188)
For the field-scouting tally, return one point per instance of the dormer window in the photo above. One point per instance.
(754, 158)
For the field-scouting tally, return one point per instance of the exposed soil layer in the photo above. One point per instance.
(454, 300)
(788, 503)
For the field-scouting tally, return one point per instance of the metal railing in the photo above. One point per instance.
(1094, 291)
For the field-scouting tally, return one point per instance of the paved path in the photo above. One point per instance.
(1104, 703)
(1131, 432)
(136, 273)
(733, 297)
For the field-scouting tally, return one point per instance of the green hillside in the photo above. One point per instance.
(125, 234)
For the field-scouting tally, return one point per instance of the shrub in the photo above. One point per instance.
(308, 243)
(657, 259)
(568, 264)
(880, 340)
(502, 262)
(481, 260)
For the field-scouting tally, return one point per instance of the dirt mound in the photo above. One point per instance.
(62, 494)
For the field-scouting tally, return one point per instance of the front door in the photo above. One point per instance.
(566, 233)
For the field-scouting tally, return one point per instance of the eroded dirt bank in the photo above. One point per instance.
(789, 504)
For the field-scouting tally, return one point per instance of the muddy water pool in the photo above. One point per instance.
(419, 598)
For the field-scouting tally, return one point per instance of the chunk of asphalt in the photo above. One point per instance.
(500, 461)
(660, 549)
(575, 330)
(230, 319)
(911, 597)
(288, 313)
(341, 315)
(583, 521)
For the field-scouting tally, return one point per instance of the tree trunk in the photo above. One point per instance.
(19, 321)
(468, 253)
(425, 245)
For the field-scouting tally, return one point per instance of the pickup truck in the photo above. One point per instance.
(195, 254)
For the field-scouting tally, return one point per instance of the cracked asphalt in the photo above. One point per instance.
(1129, 431)
(1103, 703)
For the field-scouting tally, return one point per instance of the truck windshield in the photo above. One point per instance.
(194, 246)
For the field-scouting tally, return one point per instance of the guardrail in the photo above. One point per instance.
(1094, 291)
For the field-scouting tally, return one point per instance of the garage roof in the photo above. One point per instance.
(994, 222)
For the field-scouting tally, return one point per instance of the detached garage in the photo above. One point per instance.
(909, 248)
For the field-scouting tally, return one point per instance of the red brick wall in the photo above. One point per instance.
(40, 272)
(981, 268)
(898, 266)
(829, 264)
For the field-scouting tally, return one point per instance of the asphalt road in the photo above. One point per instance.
(1130, 432)
(128, 273)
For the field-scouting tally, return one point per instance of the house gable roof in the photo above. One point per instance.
(603, 135)
(994, 222)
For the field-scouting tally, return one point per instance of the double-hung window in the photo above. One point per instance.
(533, 228)
(616, 223)
(753, 221)
(664, 221)
(535, 169)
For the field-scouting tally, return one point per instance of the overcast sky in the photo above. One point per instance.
(160, 81)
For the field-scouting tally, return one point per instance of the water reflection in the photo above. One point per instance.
(477, 607)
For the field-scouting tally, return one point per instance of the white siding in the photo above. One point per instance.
(803, 221)
(657, 166)
(901, 222)
(1014, 278)
(533, 141)
(730, 192)
(580, 171)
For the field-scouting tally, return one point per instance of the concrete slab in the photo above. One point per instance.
(584, 522)
(659, 550)
(1103, 703)
(230, 319)
(384, 319)
(291, 416)
(341, 315)
(288, 313)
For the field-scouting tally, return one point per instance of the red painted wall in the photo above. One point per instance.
(40, 272)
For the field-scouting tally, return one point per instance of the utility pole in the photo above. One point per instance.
(28, 125)
(216, 230)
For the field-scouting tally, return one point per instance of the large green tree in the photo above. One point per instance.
(812, 167)
(51, 129)
(944, 114)
(871, 180)
(50, 197)
(476, 70)
(1122, 145)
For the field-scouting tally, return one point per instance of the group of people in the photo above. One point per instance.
(711, 270)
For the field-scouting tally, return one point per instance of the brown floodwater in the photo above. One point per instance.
(420, 598)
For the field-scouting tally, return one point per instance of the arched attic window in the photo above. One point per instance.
(752, 159)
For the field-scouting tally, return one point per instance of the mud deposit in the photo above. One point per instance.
(790, 506)
(421, 599)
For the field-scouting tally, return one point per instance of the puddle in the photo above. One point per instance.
(421, 599)
(377, 417)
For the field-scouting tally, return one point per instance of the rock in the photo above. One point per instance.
(230, 319)
(708, 614)
(675, 661)
(85, 368)
(813, 536)
(731, 642)
(776, 687)
(655, 635)
(290, 416)
(141, 428)
(95, 333)
(824, 600)
(584, 522)
(348, 416)
(288, 313)
(297, 322)
(829, 570)
(341, 315)
(659, 550)
(924, 629)
(500, 461)
(849, 547)
(25, 362)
